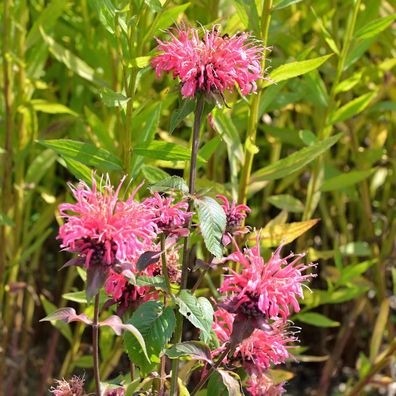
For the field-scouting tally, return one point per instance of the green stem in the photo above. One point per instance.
(251, 133)
(185, 263)
(95, 345)
(7, 170)
(382, 361)
(326, 129)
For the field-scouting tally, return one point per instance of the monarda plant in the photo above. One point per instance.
(145, 253)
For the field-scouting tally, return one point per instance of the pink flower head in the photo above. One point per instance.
(235, 215)
(262, 385)
(258, 351)
(73, 387)
(101, 228)
(265, 288)
(214, 63)
(171, 218)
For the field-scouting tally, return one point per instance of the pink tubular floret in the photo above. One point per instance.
(214, 63)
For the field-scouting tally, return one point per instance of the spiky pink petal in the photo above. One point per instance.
(213, 63)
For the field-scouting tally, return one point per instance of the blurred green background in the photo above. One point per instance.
(324, 147)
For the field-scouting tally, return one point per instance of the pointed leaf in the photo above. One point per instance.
(186, 108)
(164, 151)
(96, 277)
(317, 319)
(352, 108)
(286, 202)
(374, 27)
(231, 381)
(294, 69)
(67, 315)
(156, 324)
(282, 233)
(86, 153)
(295, 161)
(146, 259)
(197, 350)
(196, 312)
(171, 183)
(212, 221)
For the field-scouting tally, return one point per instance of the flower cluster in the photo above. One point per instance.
(235, 215)
(213, 63)
(109, 236)
(253, 316)
(101, 228)
(265, 289)
(171, 218)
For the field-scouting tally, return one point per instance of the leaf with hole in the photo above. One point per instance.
(212, 221)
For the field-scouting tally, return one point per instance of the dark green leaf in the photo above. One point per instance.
(212, 221)
(186, 108)
(156, 324)
(196, 311)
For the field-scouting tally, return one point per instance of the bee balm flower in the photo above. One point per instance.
(268, 289)
(102, 229)
(211, 64)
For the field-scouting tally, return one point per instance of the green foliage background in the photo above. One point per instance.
(78, 94)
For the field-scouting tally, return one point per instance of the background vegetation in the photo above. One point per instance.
(324, 147)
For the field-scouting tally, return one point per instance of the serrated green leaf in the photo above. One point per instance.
(294, 69)
(316, 319)
(295, 161)
(85, 153)
(212, 222)
(156, 324)
(195, 310)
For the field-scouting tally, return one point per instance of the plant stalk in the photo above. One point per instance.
(185, 263)
(251, 133)
(95, 345)
(164, 268)
(212, 369)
